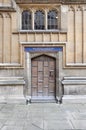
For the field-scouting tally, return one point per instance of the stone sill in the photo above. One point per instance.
(42, 31)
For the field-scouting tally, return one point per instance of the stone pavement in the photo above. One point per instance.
(43, 116)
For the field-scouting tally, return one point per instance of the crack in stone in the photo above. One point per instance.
(37, 126)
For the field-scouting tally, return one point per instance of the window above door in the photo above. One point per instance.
(40, 20)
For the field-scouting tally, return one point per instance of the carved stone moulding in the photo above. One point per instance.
(49, 1)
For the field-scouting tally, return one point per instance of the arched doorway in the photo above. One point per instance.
(43, 78)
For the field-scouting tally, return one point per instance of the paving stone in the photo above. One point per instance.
(81, 107)
(17, 122)
(79, 124)
(52, 116)
(8, 107)
(79, 116)
(43, 116)
(12, 128)
(69, 107)
(1, 106)
(38, 123)
(57, 125)
(32, 127)
(2, 122)
(5, 115)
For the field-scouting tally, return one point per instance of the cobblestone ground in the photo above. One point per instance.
(43, 116)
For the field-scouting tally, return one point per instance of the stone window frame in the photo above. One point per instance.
(45, 10)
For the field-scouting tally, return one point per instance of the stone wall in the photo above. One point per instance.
(71, 36)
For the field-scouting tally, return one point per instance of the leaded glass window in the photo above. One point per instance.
(26, 20)
(39, 20)
(52, 19)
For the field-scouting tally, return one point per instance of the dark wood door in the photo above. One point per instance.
(43, 77)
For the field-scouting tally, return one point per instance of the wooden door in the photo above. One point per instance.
(43, 77)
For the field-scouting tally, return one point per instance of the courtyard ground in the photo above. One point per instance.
(43, 116)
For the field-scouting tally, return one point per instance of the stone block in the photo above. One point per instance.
(11, 90)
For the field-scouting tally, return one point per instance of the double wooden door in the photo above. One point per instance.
(43, 77)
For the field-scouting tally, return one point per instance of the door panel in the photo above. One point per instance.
(43, 77)
(40, 87)
(40, 66)
(46, 71)
(34, 71)
(46, 63)
(34, 82)
(45, 91)
(40, 76)
(51, 87)
(34, 63)
(46, 82)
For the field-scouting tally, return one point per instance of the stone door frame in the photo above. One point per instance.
(28, 57)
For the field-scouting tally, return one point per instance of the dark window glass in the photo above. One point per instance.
(39, 20)
(26, 20)
(52, 19)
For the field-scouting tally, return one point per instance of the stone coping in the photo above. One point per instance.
(12, 81)
(8, 64)
(74, 81)
(75, 78)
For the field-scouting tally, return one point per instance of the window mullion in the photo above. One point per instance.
(46, 21)
(33, 20)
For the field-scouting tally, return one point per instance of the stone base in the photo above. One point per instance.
(12, 90)
(73, 99)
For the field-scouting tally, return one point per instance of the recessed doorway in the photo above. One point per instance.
(43, 78)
